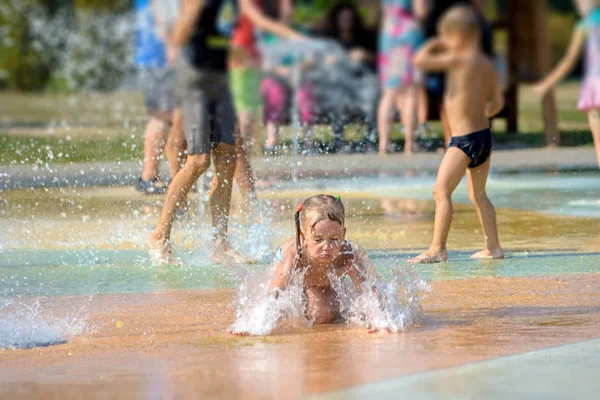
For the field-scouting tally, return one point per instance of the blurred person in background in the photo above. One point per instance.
(586, 34)
(356, 73)
(164, 131)
(201, 35)
(277, 88)
(401, 35)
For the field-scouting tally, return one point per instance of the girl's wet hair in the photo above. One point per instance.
(317, 208)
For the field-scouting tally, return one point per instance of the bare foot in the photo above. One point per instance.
(489, 254)
(160, 252)
(430, 256)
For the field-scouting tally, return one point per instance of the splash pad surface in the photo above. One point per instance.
(90, 314)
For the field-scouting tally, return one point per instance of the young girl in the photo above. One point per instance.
(586, 32)
(401, 35)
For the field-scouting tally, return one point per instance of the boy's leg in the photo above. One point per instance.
(476, 180)
(594, 121)
(452, 169)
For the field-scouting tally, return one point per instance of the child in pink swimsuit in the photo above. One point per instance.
(587, 33)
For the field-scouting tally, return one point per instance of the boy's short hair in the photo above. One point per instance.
(461, 19)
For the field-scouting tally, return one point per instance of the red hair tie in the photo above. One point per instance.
(299, 208)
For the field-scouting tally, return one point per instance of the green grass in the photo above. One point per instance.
(22, 149)
(50, 128)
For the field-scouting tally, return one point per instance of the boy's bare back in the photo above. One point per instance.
(473, 93)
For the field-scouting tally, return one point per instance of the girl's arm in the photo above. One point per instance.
(434, 56)
(258, 18)
(565, 65)
(283, 269)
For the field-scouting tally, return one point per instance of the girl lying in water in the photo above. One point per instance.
(310, 269)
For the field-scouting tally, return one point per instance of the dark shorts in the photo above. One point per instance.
(477, 146)
(157, 86)
(206, 107)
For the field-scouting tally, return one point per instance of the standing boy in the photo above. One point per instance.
(473, 95)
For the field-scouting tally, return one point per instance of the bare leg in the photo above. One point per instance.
(594, 121)
(194, 167)
(243, 172)
(272, 135)
(175, 148)
(385, 117)
(408, 102)
(452, 169)
(423, 106)
(322, 305)
(157, 131)
(220, 203)
(476, 179)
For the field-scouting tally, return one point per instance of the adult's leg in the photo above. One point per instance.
(156, 135)
(195, 166)
(476, 180)
(385, 117)
(451, 171)
(594, 121)
(275, 99)
(307, 110)
(175, 148)
(220, 193)
(423, 105)
(244, 175)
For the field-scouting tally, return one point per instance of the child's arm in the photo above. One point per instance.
(434, 56)
(565, 65)
(189, 14)
(283, 269)
(496, 102)
(258, 18)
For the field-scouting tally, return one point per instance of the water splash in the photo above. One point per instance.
(392, 305)
(24, 325)
(259, 313)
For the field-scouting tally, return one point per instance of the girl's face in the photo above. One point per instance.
(324, 241)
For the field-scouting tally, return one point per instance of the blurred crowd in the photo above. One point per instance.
(342, 70)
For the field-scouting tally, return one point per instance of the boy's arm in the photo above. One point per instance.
(565, 65)
(496, 102)
(434, 56)
(421, 8)
(189, 14)
(258, 18)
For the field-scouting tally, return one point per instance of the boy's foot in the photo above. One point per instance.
(489, 254)
(160, 252)
(430, 256)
